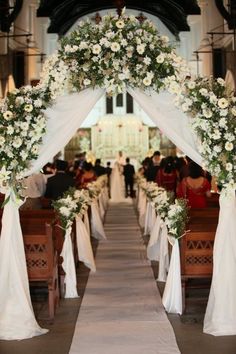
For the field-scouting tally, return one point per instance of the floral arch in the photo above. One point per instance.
(197, 114)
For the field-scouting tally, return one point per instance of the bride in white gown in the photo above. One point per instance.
(117, 184)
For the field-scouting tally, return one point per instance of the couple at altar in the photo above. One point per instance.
(122, 181)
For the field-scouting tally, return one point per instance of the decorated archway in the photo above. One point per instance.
(197, 114)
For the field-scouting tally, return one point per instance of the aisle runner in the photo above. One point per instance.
(121, 312)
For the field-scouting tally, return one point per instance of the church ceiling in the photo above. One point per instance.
(64, 13)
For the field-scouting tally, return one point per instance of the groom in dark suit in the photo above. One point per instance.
(129, 178)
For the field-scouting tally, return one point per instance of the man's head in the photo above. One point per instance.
(61, 165)
(127, 159)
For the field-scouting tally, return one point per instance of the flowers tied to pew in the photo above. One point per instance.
(173, 212)
(73, 203)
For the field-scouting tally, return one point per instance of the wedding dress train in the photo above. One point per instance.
(117, 184)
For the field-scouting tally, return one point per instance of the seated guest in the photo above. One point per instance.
(154, 166)
(88, 175)
(195, 188)
(167, 176)
(60, 182)
(34, 188)
(99, 169)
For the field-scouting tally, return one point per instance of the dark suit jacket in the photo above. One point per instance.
(128, 172)
(58, 184)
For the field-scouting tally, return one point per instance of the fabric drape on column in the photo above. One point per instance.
(221, 310)
(63, 120)
(17, 317)
(169, 119)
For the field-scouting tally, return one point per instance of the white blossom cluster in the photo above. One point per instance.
(213, 114)
(115, 53)
(172, 212)
(22, 126)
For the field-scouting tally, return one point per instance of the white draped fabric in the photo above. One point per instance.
(150, 218)
(153, 247)
(220, 318)
(101, 207)
(64, 118)
(86, 222)
(142, 203)
(85, 251)
(17, 319)
(69, 265)
(164, 254)
(172, 296)
(96, 222)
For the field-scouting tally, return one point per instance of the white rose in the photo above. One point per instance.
(140, 48)
(64, 211)
(229, 146)
(147, 60)
(83, 45)
(223, 103)
(147, 81)
(19, 100)
(17, 142)
(203, 92)
(191, 85)
(96, 49)
(23, 155)
(38, 103)
(207, 113)
(221, 81)
(24, 126)
(115, 47)
(229, 166)
(222, 122)
(160, 58)
(223, 112)
(165, 39)
(87, 82)
(10, 130)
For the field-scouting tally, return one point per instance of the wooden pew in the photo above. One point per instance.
(196, 247)
(42, 266)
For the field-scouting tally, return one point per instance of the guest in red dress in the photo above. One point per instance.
(195, 188)
(167, 176)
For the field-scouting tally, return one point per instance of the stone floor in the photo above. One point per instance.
(187, 328)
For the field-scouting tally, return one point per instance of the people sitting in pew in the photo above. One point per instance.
(34, 188)
(88, 175)
(195, 188)
(167, 175)
(60, 182)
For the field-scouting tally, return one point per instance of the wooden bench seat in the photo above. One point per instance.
(42, 264)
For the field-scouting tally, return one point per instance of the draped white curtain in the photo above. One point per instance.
(64, 118)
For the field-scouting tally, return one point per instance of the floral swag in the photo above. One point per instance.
(114, 54)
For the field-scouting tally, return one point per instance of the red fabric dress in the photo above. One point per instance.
(196, 196)
(167, 180)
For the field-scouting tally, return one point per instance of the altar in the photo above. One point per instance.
(114, 133)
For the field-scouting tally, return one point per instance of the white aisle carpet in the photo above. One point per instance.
(121, 312)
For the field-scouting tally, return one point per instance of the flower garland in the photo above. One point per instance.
(114, 54)
(22, 126)
(173, 212)
(213, 111)
(117, 52)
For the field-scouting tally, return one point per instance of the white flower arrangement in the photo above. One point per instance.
(115, 53)
(213, 112)
(173, 212)
(74, 202)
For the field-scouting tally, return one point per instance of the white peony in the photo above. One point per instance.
(207, 113)
(147, 60)
(17, 142)
(10, 130)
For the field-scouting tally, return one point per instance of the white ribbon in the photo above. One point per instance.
(84, 245)
(86, 222)
(142, 207)
(101, 206)
(150, 218)
(172, 296)
(69, 265)
(164, 254)
(153, 248)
